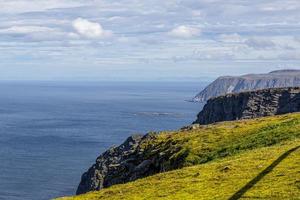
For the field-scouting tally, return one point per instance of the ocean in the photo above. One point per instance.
(52, 132)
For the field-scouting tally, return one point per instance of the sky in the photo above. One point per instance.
(146, 39)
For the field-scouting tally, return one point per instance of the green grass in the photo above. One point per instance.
(187, 148)
(216, 180)
(218, 160)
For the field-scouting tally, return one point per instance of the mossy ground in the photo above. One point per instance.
(223, 158)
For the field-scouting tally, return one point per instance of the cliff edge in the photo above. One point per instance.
(253, 104)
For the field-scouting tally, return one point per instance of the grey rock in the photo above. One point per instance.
(119, 165)
(109, 166)
(127, 162)
(190, 127)
(235, 84)
(252, 104)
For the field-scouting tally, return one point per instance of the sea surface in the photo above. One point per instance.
(51, 132)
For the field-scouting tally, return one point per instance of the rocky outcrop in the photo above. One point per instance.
(234, 84)
(127, 162)
(251, 104)
(109, 167)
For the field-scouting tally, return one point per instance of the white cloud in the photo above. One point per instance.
(233, 29)
(184, 32)
(90, 29)
(260, 43)
(24, 29)
(38, 33)
(286, 6)
(234, 38)
(290, 56)
(22, 6)
(297, 38)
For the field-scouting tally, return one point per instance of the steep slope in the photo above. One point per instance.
(267, 168)
(140, 156)
(234, 84)
(247, 105)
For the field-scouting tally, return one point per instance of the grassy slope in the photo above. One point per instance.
(187, 148)
(248, 146)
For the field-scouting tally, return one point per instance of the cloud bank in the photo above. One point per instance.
(148, 33)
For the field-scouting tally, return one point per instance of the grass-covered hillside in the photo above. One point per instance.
(252, 159)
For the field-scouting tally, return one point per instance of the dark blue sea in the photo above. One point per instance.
(51, 132)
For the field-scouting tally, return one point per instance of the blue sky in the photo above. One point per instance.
(146, 40)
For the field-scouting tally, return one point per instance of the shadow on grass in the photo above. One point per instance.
(266, 171)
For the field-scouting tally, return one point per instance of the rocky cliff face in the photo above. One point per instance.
(252, 104)
(127, 162)
(109, 167)
(235, 84)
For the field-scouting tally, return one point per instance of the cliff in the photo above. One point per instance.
(131, 160)
(109, 167)
(234, 84)
(142, 156)
(212, 161)
(251, 104)
(224, 179)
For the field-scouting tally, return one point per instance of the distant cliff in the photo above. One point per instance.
(247, 105)
(234, 84)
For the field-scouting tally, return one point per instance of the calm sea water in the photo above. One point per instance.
(50, 133)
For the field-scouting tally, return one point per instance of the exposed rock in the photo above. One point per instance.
(109, 166)
(234, 84)
(251, 104)
(124, 163)
(190, 127)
